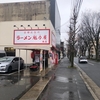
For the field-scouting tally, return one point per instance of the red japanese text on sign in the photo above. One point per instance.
(40, 36)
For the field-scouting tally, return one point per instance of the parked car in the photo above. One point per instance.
(82, 59)
(10, 63)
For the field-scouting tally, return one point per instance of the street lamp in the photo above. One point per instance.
(15, 26)
(44, 25)
(36, 25)
(29, 26)
(23, 26)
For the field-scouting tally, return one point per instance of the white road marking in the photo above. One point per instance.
(91, 64)
(89, 88)
(88, 80)
(10, 73)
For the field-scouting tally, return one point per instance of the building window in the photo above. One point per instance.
(92, 51)
(10, 51)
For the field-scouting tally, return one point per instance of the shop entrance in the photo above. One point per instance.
(36, 55)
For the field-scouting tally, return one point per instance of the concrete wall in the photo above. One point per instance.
(24, 11)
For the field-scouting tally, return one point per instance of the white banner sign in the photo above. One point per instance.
(32, 36)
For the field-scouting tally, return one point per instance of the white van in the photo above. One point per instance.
(2, 53)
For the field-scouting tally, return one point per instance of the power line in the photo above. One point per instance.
(62, 25)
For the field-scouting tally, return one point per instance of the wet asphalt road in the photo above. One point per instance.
(92, 69)
(14, 85)
(66, 84)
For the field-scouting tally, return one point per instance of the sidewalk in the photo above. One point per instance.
(60, 83)
(37, 89)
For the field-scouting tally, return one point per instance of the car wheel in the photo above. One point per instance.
(9, 69)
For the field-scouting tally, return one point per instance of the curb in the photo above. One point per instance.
(92, 87)
(34, 92)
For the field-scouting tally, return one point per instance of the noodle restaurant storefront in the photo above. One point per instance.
(28, 42)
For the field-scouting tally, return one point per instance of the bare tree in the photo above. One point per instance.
(73, 30)
(91, 30)
(84, 41)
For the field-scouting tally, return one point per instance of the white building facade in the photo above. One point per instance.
(20, 36)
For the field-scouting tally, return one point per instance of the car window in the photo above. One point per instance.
(16, 59)
(82, 57)
(21, 58)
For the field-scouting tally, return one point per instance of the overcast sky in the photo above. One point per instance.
(65, 11)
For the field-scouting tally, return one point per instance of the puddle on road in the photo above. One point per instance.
(64, 79)
(68, 93)
(61, 79)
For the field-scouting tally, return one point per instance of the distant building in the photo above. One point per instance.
(62, 48)
(93, 52)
